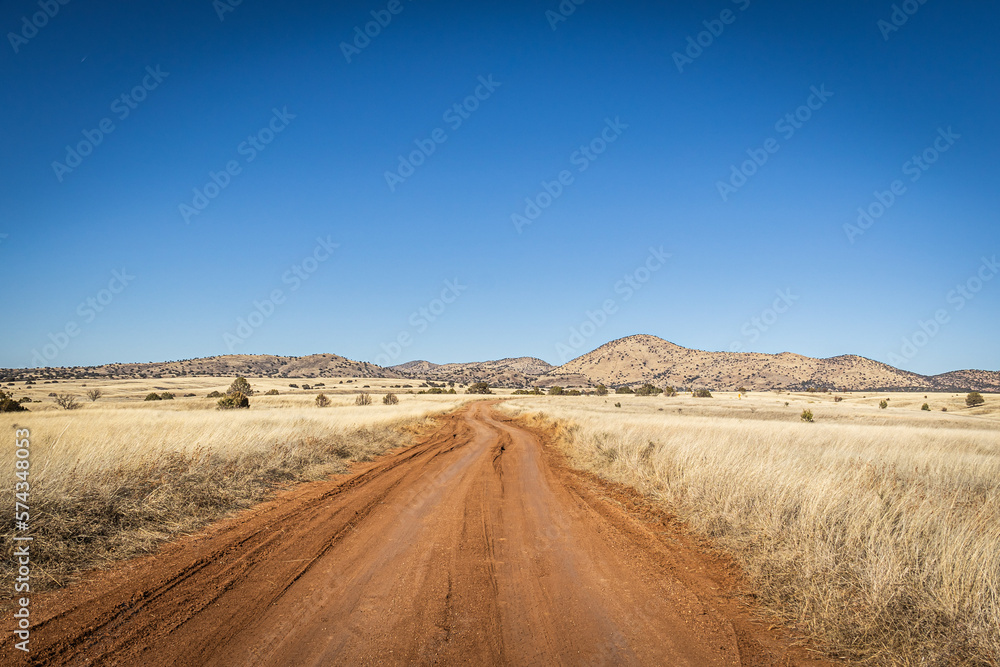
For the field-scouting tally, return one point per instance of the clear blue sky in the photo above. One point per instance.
(327, 131)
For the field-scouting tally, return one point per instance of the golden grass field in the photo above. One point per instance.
(118, 476)
(875, 531)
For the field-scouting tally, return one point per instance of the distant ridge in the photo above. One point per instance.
(633, 360)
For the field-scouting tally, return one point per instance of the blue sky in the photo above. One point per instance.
(641, 126)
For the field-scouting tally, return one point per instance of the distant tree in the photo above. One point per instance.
(601, 390)
(479, 388)
(67, 402)
(241, 386)
(974, 398)
(363, 399)
(322, 401)
(152, 396)
(93, 394)
(391, 399)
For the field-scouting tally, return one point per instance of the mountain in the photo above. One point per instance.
(513, 372)
(642, 358)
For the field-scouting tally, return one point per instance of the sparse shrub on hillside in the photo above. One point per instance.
(67, 402)
(8, 404)
(702, 393)
(974, 398)
(322, 401)
(390, 399)
(241, 386)
(601, 390)
(479, 388)
(807, 415)
(624, 389)
(215, 394)
(925, 407)
(555, 390)
(234, 401)
(271, 392)
(363, 399)
(152, 396)
(93, 394)
(883, 405)
(648, 390)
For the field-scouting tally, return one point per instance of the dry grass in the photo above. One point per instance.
(115, 479)
(875, 531)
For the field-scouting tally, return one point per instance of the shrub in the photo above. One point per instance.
(167, 396)
(322, 401)
(925, 407)
(883, 405)
(67, 402)
(572, 392)
(479, 388)
(305, 386)
(152, 396)
(648, 390)
(944, 409)
(390, 399)
(669, 391)
(624, 389)
(240, 386)
(974, 398)
(807, 415)
(214, 394)
(8, 404)
(271, 392)
(93, 394)
(704, 393)
(601, 390)
(838, 399)
(363, 399)
(618, 405)
(555, 390)
(234, 401)
(294, 386)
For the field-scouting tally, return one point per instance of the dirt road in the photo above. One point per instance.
(475, 546)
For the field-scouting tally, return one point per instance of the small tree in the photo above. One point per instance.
(669, 391)
(93, 394)
(624, 389)
(8, 404)
(67, 402)
(322, 401)
(240, 385)
(807, 415)
(974, 398)
(363, 399)
(234, 401)
(601, 390)
(479, 388)
(391, 399)
(702, 393)
(883, 405)
(555, 390)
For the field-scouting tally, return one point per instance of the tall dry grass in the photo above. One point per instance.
(109, 482)
(883, 541)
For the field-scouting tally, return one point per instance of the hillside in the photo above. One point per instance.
(643, 358)
(511, 372)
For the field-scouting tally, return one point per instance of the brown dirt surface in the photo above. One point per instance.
(477, 545)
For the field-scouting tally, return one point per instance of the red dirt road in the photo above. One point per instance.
(474, 546)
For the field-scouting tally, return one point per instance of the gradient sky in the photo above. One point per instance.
(323, 176)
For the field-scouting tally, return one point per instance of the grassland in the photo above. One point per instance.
(874, 530)
(118, 476)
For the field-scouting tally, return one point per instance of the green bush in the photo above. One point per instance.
(601, 390)
(234, 401)
(974, 398)
(8, 404)
(153, 396)
(883, 405)
(240, 386)
(167, 396)
(479, 388)
(807, 415)
(305, 386)
(669, 391)
(624, 389)
(618, 405)
(925, 407)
